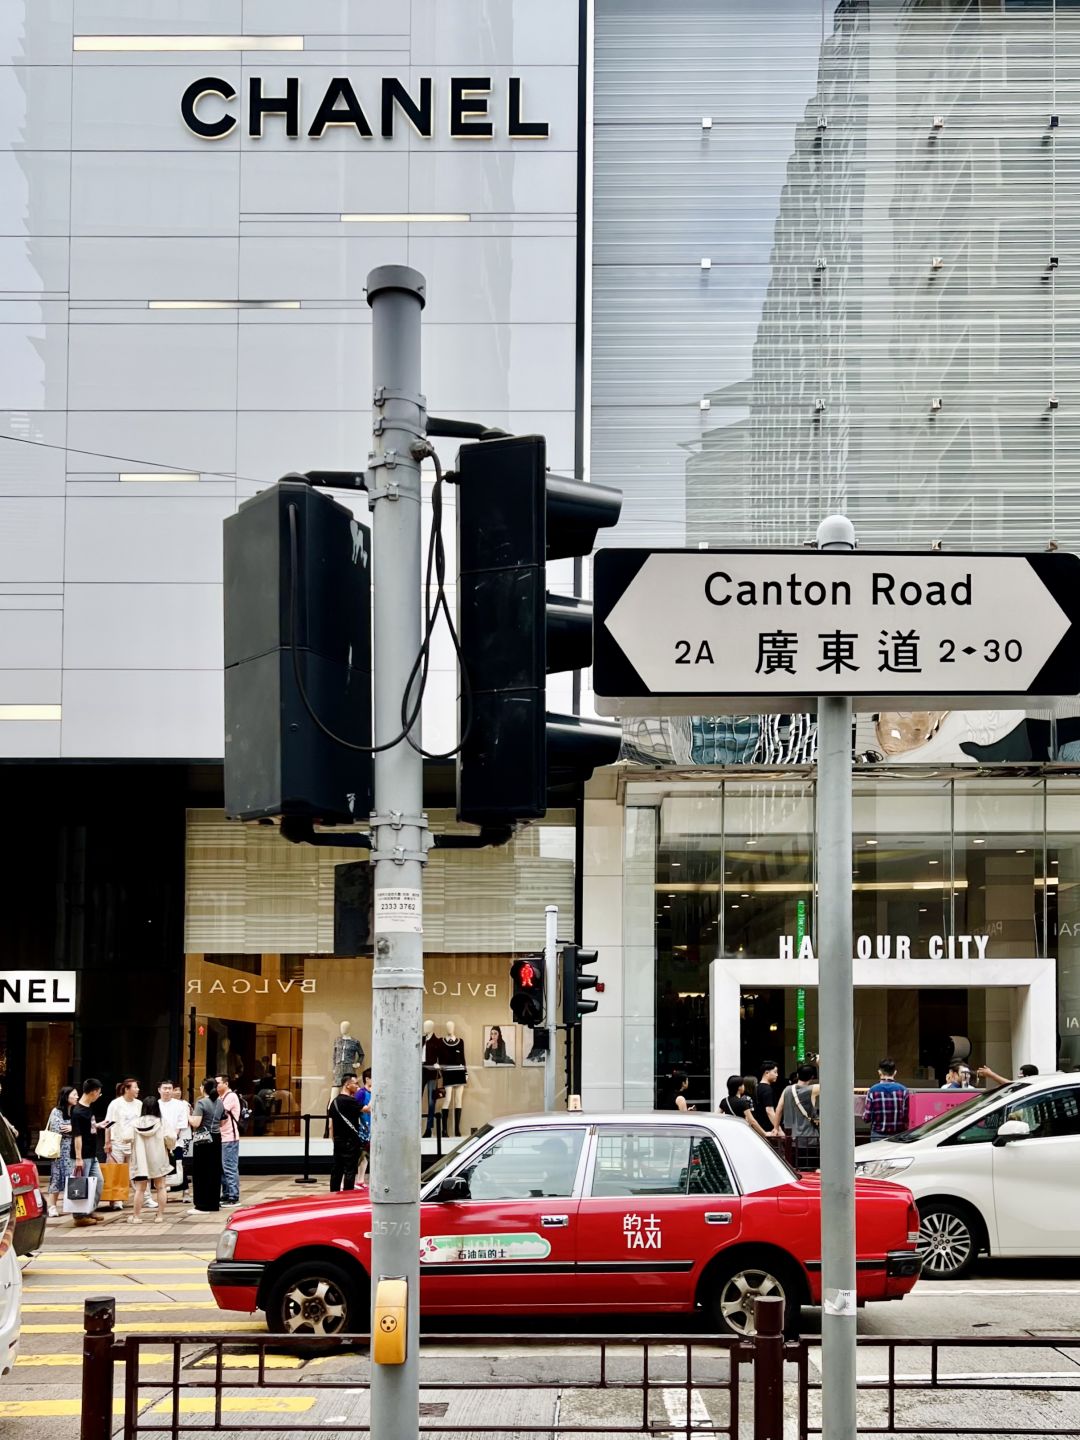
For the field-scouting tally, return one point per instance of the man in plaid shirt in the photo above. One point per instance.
(886, 1105)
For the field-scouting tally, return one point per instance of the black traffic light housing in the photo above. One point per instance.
(512, 518)
(278, 760)
(574, 983)
(527, 990)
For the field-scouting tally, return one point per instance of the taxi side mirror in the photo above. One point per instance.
(454, 1188)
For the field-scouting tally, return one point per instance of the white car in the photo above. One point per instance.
(10, 1278)
(996, 1175)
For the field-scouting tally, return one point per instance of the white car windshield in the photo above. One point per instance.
(987, 1097)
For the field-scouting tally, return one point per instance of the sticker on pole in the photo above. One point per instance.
(400, 909)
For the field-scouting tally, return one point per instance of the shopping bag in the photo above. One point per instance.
(48, 1145)
(82, 1194)
(115, 1183)
(175, 1178)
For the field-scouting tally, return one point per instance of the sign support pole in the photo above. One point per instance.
(836, 1044)
(399, 831)
(551, 999)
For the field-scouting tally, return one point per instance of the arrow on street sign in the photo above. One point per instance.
(736, 631)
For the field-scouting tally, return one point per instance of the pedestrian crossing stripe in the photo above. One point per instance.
(132, 1305)
(142, 1288)
(127, 1257)
(130, 1326)
(88, 1273)
(189, 1405)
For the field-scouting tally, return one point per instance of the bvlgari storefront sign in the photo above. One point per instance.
(37, 992)
(472, 105)
(896, 947)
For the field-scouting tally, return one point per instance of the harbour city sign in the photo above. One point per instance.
(472, 105)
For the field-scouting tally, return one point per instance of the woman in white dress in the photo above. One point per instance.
(150, 1162)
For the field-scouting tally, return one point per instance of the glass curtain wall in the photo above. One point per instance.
(949, 864)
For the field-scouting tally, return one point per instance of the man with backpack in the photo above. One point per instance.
(227, 1122)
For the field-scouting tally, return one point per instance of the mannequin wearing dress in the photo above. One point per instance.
(430, 1073)
(347, 1058)
(455, 1076)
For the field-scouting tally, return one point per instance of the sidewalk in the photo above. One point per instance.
(179, 1228)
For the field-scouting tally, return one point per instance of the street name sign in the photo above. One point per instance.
(685, 632)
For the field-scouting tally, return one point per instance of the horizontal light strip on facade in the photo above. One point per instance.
(405, 219)
(805, 887)
(156, 477)
(187, 42)
(29, 712)
(223, 304)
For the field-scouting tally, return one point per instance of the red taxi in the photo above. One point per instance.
(575, 1214)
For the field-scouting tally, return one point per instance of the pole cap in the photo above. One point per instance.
(836, 532)
(396, 277)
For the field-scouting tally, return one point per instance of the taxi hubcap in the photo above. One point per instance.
(738, 1296)
(944, 1242)
(314, 1307)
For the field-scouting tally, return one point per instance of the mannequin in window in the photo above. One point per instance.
(347, 1058)
(430, 1073)
(455, 1076)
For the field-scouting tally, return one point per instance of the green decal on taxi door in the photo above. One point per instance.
(452, 1249)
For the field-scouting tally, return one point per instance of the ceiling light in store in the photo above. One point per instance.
(187, 42)
(869, 842)
(736, 907)
(156, 477)
(751, 842)
(676, 864)
(978, 842)
(403, 218)
(744, 895)
(773, 1029)
(922, 909)
(29, 712)
(1054, 862)
(935, 862)
(1021, 852)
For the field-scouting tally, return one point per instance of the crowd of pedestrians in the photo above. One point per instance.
(141, 1149)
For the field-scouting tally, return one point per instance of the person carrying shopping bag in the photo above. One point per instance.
(121, 1115)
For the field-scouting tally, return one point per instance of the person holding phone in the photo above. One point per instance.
(85, 1141)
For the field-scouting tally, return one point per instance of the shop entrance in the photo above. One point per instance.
(1004, 1006)
(36, 1058)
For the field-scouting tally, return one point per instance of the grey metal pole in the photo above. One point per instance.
(551, 998)
(836, 1045)
(396, 295)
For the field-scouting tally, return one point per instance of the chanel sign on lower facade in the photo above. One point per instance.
(37, 992)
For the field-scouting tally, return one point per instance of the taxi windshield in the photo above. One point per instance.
(938, 1122)
(438, 1166)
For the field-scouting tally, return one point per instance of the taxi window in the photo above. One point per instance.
(526, 1164)
(636, 1162)
(708, 1171)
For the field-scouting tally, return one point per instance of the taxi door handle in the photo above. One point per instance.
(553, 1222)
(718, 1217)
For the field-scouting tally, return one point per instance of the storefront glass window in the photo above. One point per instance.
(278, 971)
(1063, 911)
(901, 877)
(1000, 865)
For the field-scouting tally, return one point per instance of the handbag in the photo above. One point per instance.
(440, 1092)
(48, 1145)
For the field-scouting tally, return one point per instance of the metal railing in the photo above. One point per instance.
(916, 1400)
(640, 1384)
(651, 1384)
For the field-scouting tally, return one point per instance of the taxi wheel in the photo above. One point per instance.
(315, 1297)
(948, 1243)
(738, 1285)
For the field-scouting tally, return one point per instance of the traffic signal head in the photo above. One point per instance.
(574, 983)
(527, 990)
(512, 518)
(297, 570)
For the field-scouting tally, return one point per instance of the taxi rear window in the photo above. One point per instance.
(635, 1162)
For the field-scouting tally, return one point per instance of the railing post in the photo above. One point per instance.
(768, 1361)
(99, 1322)
(307, 1178)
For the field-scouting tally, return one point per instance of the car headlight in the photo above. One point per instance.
(226, 1245)
(883, 1169)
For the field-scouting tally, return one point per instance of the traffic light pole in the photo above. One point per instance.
(836, 1029)
(396, 295)
(551, 1000)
